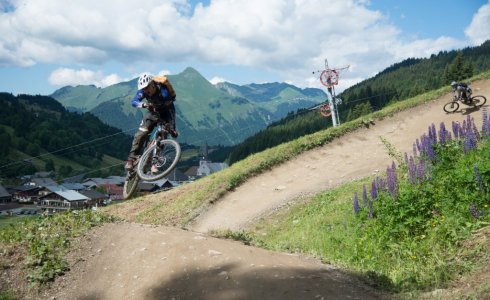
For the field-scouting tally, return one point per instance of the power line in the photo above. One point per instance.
(63, 149)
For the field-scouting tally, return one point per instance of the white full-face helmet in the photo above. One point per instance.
(144, 80)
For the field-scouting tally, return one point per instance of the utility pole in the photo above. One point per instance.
(330, 78)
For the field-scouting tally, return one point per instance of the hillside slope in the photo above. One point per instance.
(156, 262)
(356, 155)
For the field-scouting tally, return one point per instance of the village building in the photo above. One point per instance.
(95, 198)
(206, 167)
(5, 196)
(62, 200)
(26, 194)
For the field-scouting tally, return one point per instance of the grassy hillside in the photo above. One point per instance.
(378, 240)
(422, 240)
(179, 206)
(401, 81)
(38, 134)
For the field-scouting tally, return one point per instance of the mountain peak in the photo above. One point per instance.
(190, 70)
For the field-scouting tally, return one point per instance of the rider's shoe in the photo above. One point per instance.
(174, 133)
(129, 165)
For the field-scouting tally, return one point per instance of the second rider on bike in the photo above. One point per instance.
(160, 97)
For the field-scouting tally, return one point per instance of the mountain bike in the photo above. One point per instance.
(159, 158)
(473, 101)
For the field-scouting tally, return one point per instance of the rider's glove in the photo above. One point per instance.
(144, 105)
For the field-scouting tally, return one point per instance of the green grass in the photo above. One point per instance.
(46, 240)
(5, 221)
(414, 242)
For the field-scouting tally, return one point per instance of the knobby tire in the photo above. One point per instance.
(130, 185)
(172, 153)
(451, 107)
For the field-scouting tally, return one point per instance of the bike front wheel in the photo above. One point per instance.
(478, 100)
(158, 160)
(130, 184)
(451, 107)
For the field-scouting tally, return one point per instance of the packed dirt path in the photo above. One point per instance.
(131, 261)
(356, 155)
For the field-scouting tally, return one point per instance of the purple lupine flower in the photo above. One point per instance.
(393, 165)
(412, 171)
(456, 130)
(356, 204)
(463, 127)
(380, 184)
(431, 154)
(423, 144)
(443, 133)
(430, 133)
(374, 192)
(470, 141)
(370, 213)
(414, 149)
(434, 133)
(474, 211)
(364, 196)
(485, 130)
(421, 170)
(461, 132)
(478, 179)
(418, 145)
(475, 130)
(392, 182)
(427, 147)
(406, 158)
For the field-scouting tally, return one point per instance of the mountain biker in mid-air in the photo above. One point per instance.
(160, 97)
(462, 91)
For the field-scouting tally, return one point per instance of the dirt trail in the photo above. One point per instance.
(131, 261)
(353, 156)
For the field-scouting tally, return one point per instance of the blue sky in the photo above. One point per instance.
(46, 45)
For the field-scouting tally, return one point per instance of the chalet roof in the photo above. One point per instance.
(53, 188)
(70, 195)
(43, 181)
(147, 186)
(163, 183)
(92, 194)
(26, 188)
(4, 193)
(73, 186)
(177, 175)
(117, 180)
(74, 179)
(43, 174)
(192, 171)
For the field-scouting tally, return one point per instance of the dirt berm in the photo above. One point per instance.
(131, 261)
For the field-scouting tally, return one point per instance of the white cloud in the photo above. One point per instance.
(65, 76)
(164, 72)
(217, 79)
(289, 38)
(479, 29)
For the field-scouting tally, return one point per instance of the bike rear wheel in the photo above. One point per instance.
(130, 184)
(158, 160)
(451, 107)
(478, 100)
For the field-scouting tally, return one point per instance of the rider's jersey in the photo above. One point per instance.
(161, 96)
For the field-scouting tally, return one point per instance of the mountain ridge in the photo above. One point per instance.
(206, 113)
